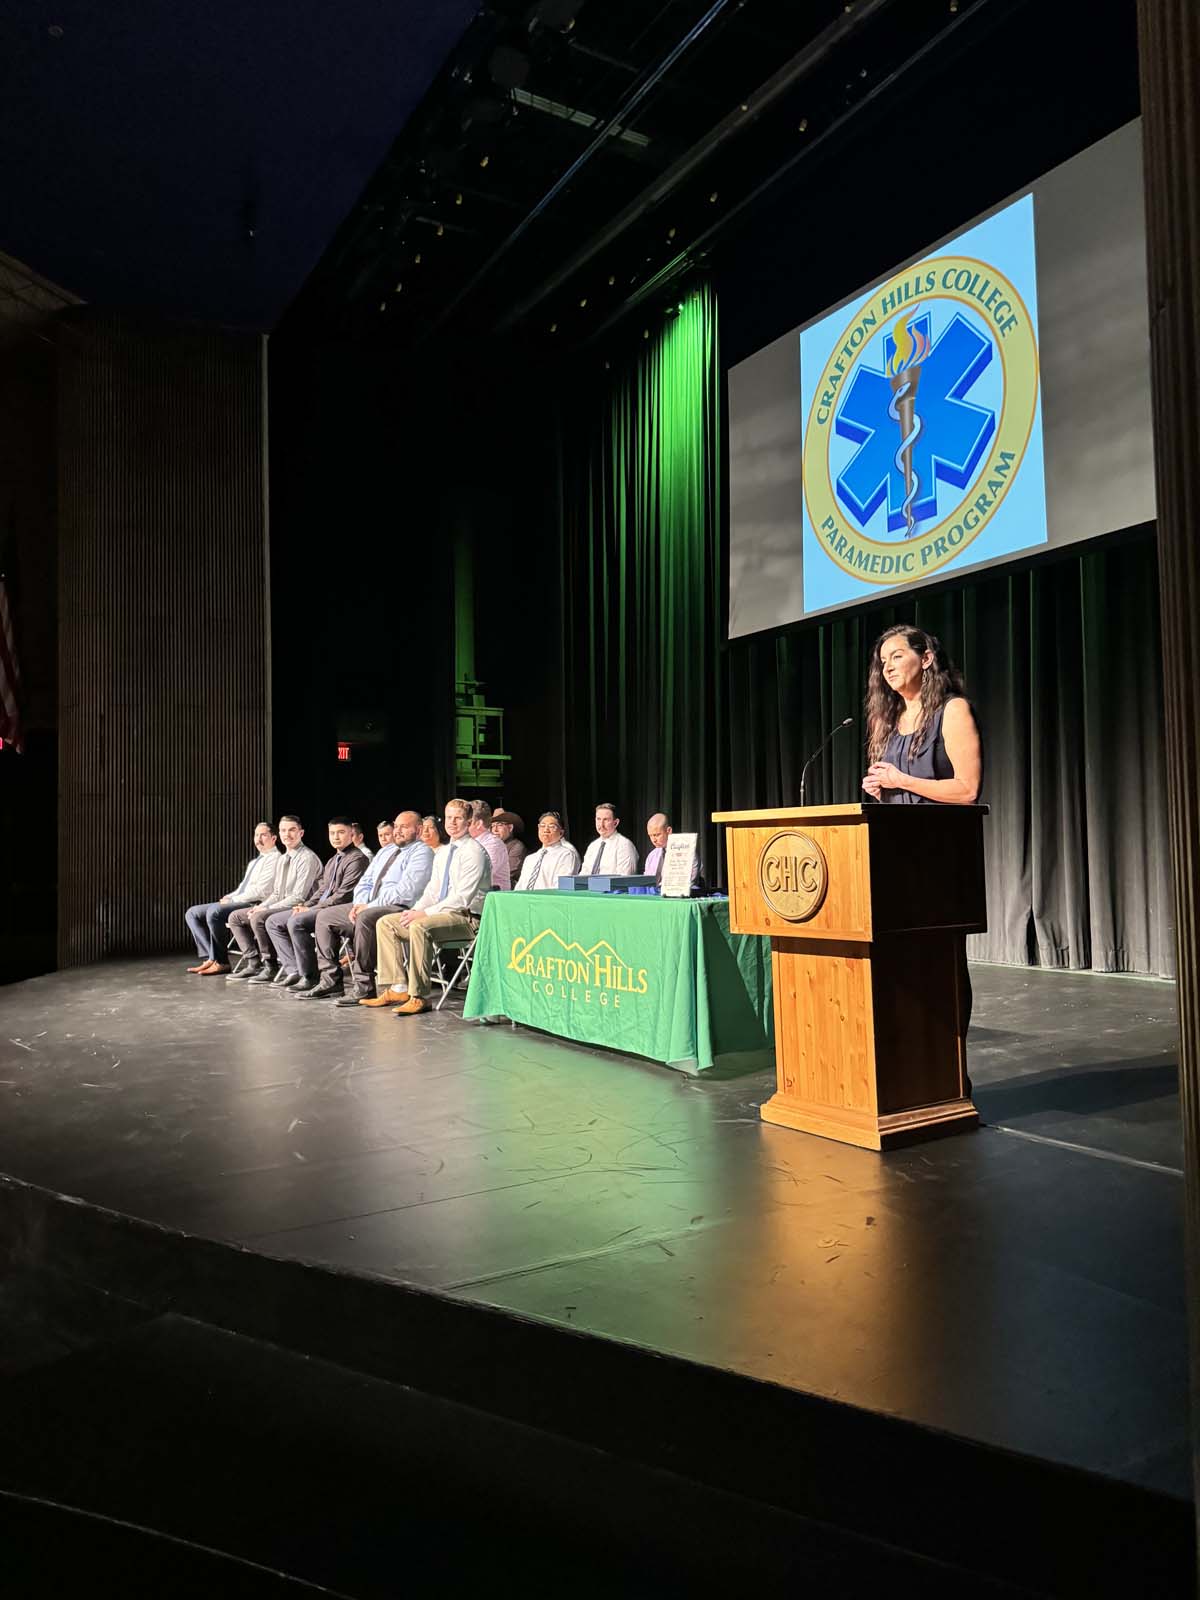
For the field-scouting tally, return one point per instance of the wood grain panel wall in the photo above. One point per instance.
(164, 628)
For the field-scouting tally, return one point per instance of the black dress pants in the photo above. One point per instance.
(333, 924)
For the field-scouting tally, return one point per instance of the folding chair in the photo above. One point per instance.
(465, 948)
(239, 957)
(235, 955)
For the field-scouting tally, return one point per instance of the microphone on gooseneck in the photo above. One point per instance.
(845, 723)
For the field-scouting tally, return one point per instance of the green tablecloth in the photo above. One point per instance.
(658, 978)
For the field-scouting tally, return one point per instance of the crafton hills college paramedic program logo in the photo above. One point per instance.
(569, 972)
(920, 419)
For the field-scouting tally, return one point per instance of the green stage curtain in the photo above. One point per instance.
(1061, 662)
(642, 619)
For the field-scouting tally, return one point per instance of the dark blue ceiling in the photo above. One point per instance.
(194, 157)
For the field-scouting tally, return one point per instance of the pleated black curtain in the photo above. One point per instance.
(1061, 662)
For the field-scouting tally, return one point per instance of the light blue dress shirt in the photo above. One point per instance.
(401, 887)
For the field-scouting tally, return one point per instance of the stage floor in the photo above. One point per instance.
(1022, 1285)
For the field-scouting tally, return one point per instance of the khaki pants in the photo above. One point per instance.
(410, 950)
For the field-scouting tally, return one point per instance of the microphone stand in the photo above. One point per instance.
(845, 723)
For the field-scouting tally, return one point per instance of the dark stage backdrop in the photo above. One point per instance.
(1061, 661)
(164, 711)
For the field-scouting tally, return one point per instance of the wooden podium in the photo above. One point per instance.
(866, 907)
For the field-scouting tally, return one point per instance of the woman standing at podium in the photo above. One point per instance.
(922, 740)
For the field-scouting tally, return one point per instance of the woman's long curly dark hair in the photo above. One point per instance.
(940, 681)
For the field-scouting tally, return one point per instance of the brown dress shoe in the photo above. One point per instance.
(214, 969)
(412, 1008)
(388, 997)
(203, 967)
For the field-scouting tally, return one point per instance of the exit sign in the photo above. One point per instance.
(343, 751)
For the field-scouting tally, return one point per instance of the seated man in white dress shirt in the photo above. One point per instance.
(208, 923)
(450, 908)
(610, 853)
(557, 858)
(295, 873)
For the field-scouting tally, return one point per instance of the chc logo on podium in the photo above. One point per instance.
(793, 875)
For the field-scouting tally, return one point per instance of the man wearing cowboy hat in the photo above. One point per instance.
(504, 825)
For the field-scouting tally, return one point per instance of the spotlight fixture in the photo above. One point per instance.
(383, 305)
(554, 327)
(612, 278)
(458, 199)
(417, 259)
(440, 229)
(802, 126)
(583, 303)
(399, 286)
(645, 333)
(712, 199)
(670, 233)
(483, 160)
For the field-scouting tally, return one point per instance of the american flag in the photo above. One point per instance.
(10, 677)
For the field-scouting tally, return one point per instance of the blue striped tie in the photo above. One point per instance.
(446, 874)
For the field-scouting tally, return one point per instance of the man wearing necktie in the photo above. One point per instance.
(659, 830)
(555, 858)
(449, 909)
(395, 879)
(295, 873)
(610, 853)
(291, 932)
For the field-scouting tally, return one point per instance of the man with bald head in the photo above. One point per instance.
(395, 880)
(659, 830)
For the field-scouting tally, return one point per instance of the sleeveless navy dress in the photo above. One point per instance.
(931, 762)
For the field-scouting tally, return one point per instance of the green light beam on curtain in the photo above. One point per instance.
(639, 497)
